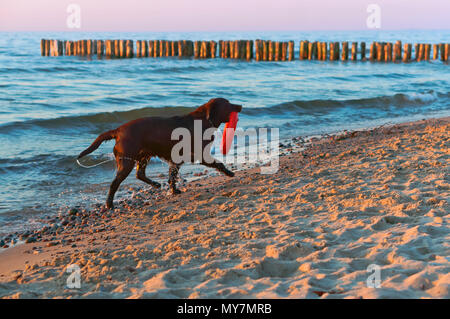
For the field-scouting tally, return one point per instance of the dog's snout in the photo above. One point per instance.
(237, 108)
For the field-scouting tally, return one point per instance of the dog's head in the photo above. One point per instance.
(218, 110)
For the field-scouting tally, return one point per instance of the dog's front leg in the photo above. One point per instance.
(219, 166)
(173, 176)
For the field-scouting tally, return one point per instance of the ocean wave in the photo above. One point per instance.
(113, 118)
(105, 120)
(313, 106)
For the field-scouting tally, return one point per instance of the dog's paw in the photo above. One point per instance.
(109, 206)
(175, 191)
(156, 185)
(229, 173)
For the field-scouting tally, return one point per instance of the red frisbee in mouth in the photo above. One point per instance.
(228, 133)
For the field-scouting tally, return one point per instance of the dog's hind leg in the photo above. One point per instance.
(140, 174)
(124, 168)
(173, 176)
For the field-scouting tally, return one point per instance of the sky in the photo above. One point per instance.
(222, 15)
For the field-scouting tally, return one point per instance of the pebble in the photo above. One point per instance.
(30, 240)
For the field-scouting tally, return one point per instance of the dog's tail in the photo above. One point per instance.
(99, 140)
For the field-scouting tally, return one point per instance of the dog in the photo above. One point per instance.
(139, 140)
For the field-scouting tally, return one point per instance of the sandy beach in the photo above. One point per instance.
(345, 202)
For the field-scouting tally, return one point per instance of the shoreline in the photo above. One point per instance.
(289, 223)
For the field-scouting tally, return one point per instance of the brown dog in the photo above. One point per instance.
(139, 140)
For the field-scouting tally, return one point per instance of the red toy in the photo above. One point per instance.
(228, 133)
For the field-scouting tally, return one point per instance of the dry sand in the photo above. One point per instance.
(311, 230)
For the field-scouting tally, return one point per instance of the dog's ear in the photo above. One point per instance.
(211, 111)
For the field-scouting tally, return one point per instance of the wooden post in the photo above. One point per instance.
(258, 45)
(291, 50)
(155, 48)
(232, 47)
(89, 47)
(51, 46)
(306, 50)
(324, 51)
(387, 52)
(42, 47)
(116, 48)
(310, 50)
(122, 48)
(203, 49)
(332, 52)
(264, 50)
(407, 52)
(208, 50)
(60, 48)
(162, 48)
(94, 46)
(181, 48)
(284, 47)
(130, 49)
(319, 51)
(212, 49)
(138, 48)
(237, 49)
(363, 51)
(47, 47)
(100, 48)
(427, 50)
(421, 52)
(144, 48)
(78, 47)
(417, 51)
(242, 49)
(66, 48)
(222, 49)
(190, 48)
(168, 48)
(373, 51)
(197, 49)
(226, 49)
(446, 52)
(354, 51)
(435, 51)
(151, 45)
(270, 50)
(344, 51)
(277, 51)
(302, 50)
(395, 52)
(108, 48)
(174, 48)
(248, 50)
(70, 49)
(442, 49)
(380, 51)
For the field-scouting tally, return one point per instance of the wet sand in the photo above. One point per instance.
(374, 197)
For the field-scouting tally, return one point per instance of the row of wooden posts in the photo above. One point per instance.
(260, 50)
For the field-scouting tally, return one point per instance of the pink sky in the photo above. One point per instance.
(222, 15)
